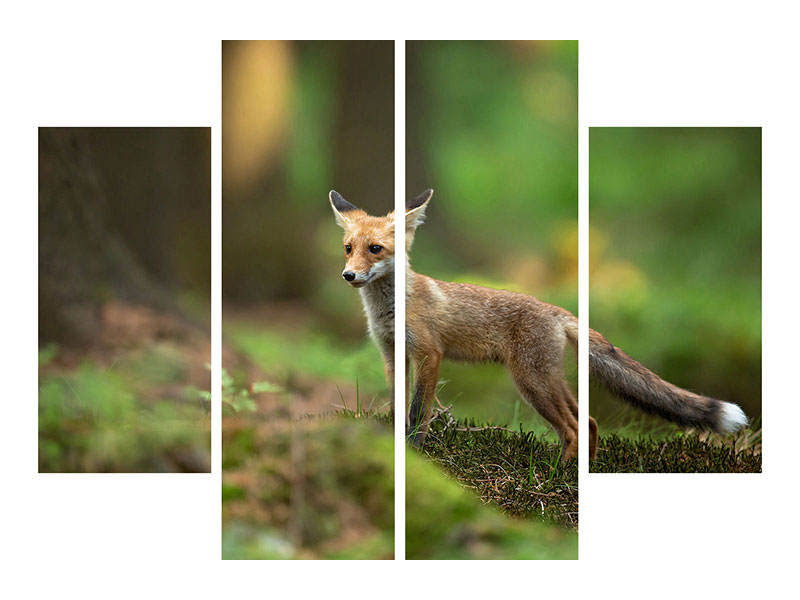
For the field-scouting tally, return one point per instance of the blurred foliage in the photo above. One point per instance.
(675, 258)
(309, 473)
(238, 398)
(113, 420)
(312, 354)
(332, 127)
(446, 521)
(493, 128)
(315, 488)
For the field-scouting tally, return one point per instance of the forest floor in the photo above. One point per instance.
(136, 399)
(308, 461)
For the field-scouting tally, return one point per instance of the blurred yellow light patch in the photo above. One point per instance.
(550, 95)
(608, 274)
(257, 90)
(618, 275)
(529, 273)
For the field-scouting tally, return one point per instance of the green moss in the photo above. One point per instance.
(682, 453)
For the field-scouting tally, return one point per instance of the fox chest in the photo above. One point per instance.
(381, 328)
(379, 309)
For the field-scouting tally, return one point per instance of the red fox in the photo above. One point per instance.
(466, 322)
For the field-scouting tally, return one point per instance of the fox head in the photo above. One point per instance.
(369, 241)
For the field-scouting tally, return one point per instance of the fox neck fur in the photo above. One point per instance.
(377, 296)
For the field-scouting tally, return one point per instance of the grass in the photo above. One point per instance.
(665, 449)
(679, 452)
(517, 471)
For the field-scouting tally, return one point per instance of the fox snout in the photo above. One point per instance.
(356, 279)
(360, 274)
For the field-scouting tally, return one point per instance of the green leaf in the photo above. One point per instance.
(227, 380)
(266, 387)
(47, 354)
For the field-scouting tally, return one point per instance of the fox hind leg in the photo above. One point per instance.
(553, 400)
(592, 423)
(572, 405)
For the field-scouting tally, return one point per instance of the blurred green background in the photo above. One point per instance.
(308, 468)
(492, 127)
(301, 118)
(675, 260)
(124, 299)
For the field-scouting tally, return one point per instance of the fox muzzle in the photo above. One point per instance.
(356, 279)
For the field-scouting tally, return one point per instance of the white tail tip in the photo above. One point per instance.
(732, 418)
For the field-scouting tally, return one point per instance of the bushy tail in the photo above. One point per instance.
(636, 384)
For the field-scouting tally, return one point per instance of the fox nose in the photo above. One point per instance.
(349, 275)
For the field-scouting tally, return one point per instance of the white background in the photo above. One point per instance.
(154, 63)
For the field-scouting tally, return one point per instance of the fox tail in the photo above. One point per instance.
(636, 384)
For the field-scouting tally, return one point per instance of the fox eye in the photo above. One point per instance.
(348, 248)
(375, 248)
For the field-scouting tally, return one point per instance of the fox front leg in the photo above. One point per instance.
(388, 369)
(427, 373)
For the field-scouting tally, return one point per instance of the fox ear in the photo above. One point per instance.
(340, 206)
(415, 210)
